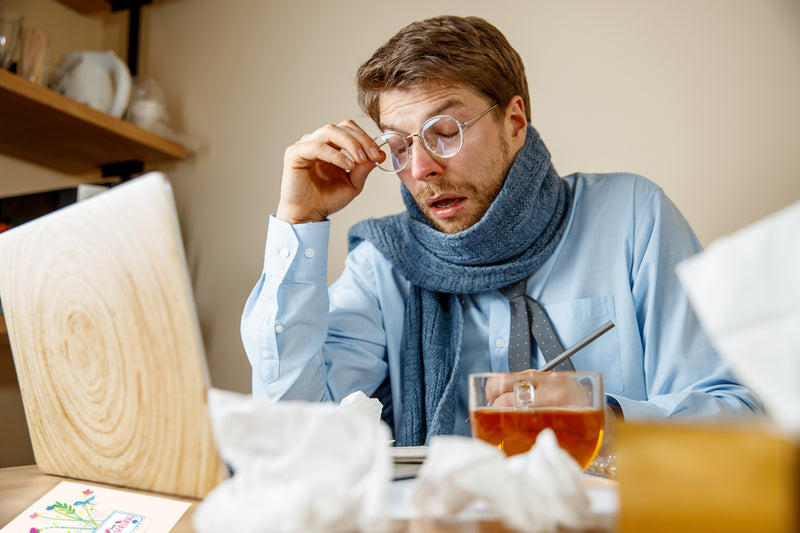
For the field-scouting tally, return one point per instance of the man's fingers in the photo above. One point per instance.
(307, 154)
(549, 391)
(494, 388)
(504, 400)
(348, 137)
(358, 175)
(369, 150)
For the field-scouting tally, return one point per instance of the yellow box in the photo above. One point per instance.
(687, 478)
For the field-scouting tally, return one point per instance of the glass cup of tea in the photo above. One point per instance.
(510, 409)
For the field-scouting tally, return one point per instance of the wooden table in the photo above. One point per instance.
(22, 485)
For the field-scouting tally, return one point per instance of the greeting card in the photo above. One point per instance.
(83, 508)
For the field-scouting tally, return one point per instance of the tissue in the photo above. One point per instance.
(537, 491)
(297, 466)
(360, 402)
(745, 290)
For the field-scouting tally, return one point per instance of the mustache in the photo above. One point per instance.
(429, 190)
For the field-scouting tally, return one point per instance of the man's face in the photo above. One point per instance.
(453, 193)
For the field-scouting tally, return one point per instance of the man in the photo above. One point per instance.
(424, 297)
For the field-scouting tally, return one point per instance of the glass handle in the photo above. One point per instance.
(523, 394)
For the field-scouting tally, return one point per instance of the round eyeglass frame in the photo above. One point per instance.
(381, 139)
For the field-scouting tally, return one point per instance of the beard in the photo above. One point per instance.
(480, 196)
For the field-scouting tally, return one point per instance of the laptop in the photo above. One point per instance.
(106, 342)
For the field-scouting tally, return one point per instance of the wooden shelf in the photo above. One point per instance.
(88, 7)
(3, 329)
(49, 129)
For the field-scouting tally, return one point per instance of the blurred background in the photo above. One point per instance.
(700, 96)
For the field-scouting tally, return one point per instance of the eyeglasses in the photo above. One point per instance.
(442, 136)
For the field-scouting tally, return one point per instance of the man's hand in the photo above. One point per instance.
(324, 171)
(553, 391)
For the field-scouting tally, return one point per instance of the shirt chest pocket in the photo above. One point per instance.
(575, 319)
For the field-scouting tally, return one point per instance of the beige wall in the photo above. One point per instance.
(701, 96)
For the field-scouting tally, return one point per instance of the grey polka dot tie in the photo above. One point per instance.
(528, 322)
(519, 339)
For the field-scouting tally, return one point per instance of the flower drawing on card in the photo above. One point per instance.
(84, 515)
(72, 507)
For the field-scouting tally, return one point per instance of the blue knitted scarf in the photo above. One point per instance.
(513, 239)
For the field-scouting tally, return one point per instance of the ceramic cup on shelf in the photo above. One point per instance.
(98, 79)
(10, 36)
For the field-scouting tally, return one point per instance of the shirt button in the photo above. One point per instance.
(309, 253)
(284, 253)
(278, 329)
(499, 343)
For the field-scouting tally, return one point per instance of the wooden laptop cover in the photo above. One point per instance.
(106, 342)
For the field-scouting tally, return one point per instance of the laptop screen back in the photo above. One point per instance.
(106, 342)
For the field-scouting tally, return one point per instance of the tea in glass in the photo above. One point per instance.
(509, 410)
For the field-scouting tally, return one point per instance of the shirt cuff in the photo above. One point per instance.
(297, 252)
(636, 410)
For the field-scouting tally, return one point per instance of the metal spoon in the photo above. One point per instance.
(569, 352)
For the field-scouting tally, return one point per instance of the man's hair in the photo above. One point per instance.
(465, 51)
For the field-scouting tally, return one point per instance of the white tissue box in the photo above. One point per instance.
(684, 477)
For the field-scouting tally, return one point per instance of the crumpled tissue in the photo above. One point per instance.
(537, 491)
(745, 290)
(358, 401)
(297, 466)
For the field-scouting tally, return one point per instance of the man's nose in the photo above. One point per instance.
(424, 165)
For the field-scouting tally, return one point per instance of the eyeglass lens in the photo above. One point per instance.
(441, 135)
(395, 149)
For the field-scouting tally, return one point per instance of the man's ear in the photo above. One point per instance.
(516, 124)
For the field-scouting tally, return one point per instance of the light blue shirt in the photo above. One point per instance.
(614, 262)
